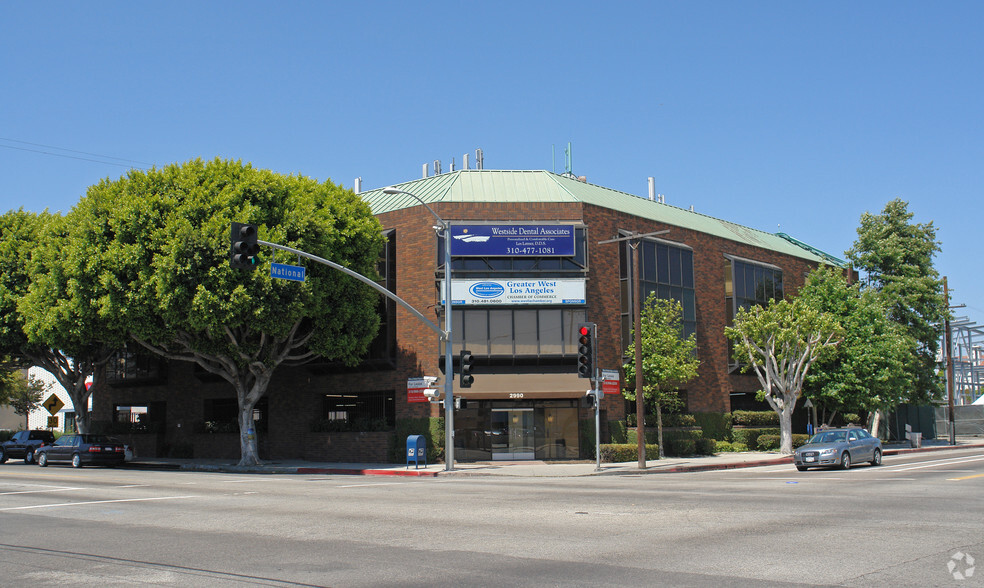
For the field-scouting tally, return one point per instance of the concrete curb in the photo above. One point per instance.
(610, 471)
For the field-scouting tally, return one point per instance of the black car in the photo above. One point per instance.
(24, 444)
(80, 450)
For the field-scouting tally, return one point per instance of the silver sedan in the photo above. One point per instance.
(839, 448)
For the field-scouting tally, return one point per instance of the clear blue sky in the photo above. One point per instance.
(802, 115)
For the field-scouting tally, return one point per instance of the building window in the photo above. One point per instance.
(361, 411)
(382, 349)
(748, 283)
(127, 367)
(666, 269)
(221, 415)
(517, 333)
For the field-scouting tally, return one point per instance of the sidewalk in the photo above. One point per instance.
(524, 469)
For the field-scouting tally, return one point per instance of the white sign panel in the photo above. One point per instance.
(518, 291)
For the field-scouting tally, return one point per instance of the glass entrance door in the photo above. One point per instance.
(512, 433)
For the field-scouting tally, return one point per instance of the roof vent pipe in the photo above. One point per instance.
(652, 188)
(425, 172)
(358, 185)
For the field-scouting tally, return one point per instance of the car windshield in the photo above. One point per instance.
(829, 437)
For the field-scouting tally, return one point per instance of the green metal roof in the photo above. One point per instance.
(543, 186)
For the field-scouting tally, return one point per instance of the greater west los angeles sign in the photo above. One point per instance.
(516, 291)
(512, 240)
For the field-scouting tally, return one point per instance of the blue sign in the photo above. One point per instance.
(295, 273)
(512, 240)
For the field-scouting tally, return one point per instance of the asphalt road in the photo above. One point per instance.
(901, 524)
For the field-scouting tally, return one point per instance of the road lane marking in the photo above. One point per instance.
(94, 502)
(40, 491)
(938, 463)
(965, 478)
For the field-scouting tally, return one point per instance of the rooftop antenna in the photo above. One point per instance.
(479, 159)
(568, 160)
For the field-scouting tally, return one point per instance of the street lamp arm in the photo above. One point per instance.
(394, 191)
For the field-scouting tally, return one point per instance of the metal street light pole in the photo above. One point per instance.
(448, 359)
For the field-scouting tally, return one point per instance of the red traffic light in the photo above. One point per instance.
(584, 330)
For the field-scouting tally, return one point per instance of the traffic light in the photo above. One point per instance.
(590, 397)
(585, 350)
(242, 254)
(465, 368)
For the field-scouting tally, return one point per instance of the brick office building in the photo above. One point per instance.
(516, 309)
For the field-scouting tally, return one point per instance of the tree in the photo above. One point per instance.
(897, 258)
(49, 305)
(669, 360)
(779, 343)
(868, 371)
(27, 393)
(164, 240)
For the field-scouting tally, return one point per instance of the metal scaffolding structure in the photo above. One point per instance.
(967, 357)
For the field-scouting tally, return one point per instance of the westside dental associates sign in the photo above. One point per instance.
(512, 240)
(516, 292)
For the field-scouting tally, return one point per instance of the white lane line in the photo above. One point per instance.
(938, 463)
(40, 491)
(94, 502)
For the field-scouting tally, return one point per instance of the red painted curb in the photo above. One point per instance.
(352, 472)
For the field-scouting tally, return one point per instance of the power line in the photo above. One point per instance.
(103, 157)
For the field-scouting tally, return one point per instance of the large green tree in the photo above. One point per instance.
(779, 343)
(895, 257)
(164, 240)
(869, 369)
(49, 305)
(668, 358)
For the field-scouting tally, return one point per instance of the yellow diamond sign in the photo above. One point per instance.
(53, 404)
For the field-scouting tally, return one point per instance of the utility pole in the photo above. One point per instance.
(949, 364)
(633, 241)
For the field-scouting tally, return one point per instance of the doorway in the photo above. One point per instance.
(512, 434)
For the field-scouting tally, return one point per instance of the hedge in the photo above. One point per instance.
(715, 425)
(749, 437)
(729, 447)
(618, 452)
(432, 428)
(755, 418)
(771, 442)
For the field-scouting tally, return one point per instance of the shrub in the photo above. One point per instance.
(676, 420)
(706, 446)
(714, 425)
(729, 447)
(749, 437)
(432, 428)
(6, 435)
(618, 431)
(618, 452)
(632, 436)
(687, 443)
(771, 442)
(755, 418)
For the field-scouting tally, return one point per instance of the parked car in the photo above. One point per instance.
(24, 444)
(80, 450)
(839, 448)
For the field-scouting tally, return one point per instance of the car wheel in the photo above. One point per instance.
(3, 455)
(76, 461)
(29, 456)
(43, 460)
(876, 458)
(846, 461)
(802, 468)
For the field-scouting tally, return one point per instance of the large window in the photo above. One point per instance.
(664, 268)
(517, 332)
(746, 284)
(361, 410)
(127, 367)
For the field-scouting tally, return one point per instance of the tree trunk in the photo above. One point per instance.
(659, 429)
(249, 454)
(786, 427)
(875, 425)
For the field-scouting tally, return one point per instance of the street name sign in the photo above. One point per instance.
(294, 273)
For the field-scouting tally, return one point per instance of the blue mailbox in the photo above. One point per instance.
(416, 450)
